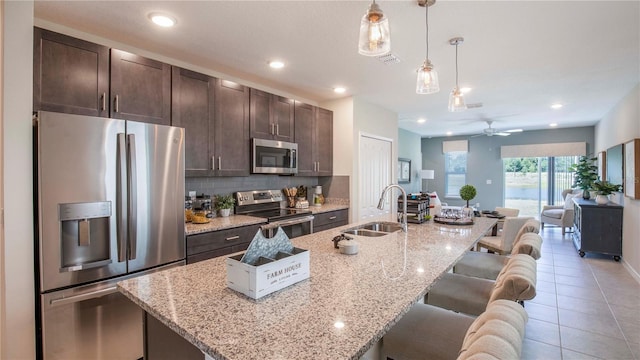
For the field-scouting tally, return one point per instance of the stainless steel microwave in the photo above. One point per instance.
(274, 157)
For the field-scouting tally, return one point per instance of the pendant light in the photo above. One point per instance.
(427, 82)
(374, 32)
(456, 99)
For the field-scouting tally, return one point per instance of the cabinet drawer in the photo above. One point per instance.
(332, 218)
(220, 239)
(216, 253)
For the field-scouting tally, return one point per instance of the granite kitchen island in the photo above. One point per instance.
(341, 311)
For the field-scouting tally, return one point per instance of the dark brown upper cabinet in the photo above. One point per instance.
(140, 88)
(314, 136)
(192, 107)
(69, 75)
(271, 116)
(231, 129)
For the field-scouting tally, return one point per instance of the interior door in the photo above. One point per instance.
(376, 172)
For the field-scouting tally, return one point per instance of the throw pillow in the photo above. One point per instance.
(568, 203)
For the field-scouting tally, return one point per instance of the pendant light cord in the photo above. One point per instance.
(457, 66)
(426, 21)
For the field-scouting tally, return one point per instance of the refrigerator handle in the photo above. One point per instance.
(121, 198)
(133, 196)
(83, 297)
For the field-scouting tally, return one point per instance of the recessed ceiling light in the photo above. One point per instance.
(339, 89)
(449, 133)
(162, 19)
(465, 90)
(553, 124)
(421, 121)
(556, 106)
(338, 324)
(276, 64)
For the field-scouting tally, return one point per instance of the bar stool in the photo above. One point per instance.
(503, 243)
(430, 332)
(488, 266)
(470, 295)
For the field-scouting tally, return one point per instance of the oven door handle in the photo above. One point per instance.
(295, 221)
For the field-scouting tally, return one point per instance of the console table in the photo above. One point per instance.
(598, 228)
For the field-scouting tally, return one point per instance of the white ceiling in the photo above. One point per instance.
(518, 56)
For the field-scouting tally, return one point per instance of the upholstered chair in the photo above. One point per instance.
(503, 243)
(560, 215)
(430, 332)
(470, 295)
(488, 266)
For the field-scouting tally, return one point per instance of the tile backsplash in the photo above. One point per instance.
(332, 186)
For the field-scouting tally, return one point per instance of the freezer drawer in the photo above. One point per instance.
(99, 324)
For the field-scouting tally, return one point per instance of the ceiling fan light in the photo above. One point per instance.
(456, 101)
(375, 39)
(427, 82)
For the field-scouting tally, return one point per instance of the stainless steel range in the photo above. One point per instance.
(267, 204)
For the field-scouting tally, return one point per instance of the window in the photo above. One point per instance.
(455, 164)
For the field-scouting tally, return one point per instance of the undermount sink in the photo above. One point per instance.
(364, 232)
(374, 229)
(382, 226)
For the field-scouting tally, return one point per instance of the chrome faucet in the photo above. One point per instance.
(404, 203)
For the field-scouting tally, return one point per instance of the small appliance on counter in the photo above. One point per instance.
(318, 198)
(202, 206)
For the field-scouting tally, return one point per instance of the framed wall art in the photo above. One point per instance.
(404, 171)
(632, 169)
(602, 165)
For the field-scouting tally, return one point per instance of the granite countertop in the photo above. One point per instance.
(366, 293)
(220, 223)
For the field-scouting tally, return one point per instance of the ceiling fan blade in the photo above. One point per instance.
(476, 135)
(502, 133)
(514, 130)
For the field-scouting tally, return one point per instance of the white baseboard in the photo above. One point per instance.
(631, 270)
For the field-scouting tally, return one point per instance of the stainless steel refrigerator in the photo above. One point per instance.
(110, 205)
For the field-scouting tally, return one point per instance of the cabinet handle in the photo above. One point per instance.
(318, 167)
(104, 102)
(278, 129)
(231, 238)
(333, 218)
(219, 162)
(116, 104)
(213, 163)
(273, 131)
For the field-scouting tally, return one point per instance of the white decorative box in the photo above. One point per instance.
(268, 275)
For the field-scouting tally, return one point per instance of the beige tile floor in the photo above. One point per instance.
(585, 308)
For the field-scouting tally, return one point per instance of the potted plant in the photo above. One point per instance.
(468, 192)
(585, 173)
(604, 189)
(225, 203)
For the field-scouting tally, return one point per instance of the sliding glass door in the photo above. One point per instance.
(531, 183)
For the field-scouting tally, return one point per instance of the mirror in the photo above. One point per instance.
(615, 159)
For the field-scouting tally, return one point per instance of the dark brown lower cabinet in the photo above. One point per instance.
(329, 220)
(218, 243)
(598, 228)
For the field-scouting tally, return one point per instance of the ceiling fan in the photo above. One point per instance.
(492, 131)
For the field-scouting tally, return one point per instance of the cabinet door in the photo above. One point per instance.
(140, 88)
(282, 112)
(304, 121)
(260, 125)
(324, 142)
(192, 107)
(69, 75)
(232, 146)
